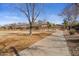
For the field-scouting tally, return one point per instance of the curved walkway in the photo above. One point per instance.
(54, 45)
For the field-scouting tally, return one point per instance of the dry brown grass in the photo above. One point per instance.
(19, 41)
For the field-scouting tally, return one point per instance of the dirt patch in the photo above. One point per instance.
(73, 43)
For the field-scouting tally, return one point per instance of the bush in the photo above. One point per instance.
(72, 31)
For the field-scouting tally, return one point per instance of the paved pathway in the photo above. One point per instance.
(54, 45)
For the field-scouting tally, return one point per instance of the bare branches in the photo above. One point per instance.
(37, 15)
(22, 11)
(71, 11)
(31, 13)
(66, 11)
(28, 12)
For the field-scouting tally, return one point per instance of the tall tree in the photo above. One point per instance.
(31, 12)
(70, 13)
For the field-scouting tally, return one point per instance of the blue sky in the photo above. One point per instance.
(50, 12)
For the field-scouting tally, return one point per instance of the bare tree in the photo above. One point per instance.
(31, 12)
(70, 13)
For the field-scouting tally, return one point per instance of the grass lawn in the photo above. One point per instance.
(18, 40)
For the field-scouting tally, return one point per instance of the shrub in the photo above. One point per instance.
(72, 31)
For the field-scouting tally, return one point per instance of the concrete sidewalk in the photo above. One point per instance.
(54, 45)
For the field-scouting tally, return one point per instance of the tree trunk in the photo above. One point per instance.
(30, 33)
